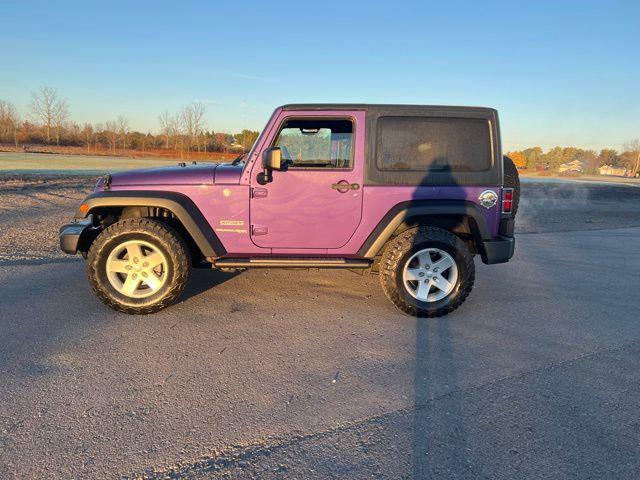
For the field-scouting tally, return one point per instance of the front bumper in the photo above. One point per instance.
(498, 250)
(78, 235)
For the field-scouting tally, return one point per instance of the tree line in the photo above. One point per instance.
(48, 122)
(536, 159)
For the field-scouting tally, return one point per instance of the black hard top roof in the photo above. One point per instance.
(378, 106)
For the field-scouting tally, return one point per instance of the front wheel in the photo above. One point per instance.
(427, 272)
(138, 265)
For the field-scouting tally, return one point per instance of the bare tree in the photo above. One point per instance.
(111, 130)
(176, 131)
(143, 142)
(96, 135)
(60, 115)
(634, 147)
(9, 122)
(193, 121)
(76, 133)
(87, 133)
(166, 124)
(186, 119)
(123, 130)
(48, 108)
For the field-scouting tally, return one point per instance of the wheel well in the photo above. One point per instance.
(464, 226)
(106, 216)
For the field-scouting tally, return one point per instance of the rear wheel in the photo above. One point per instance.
(427, 272)
(138, 265)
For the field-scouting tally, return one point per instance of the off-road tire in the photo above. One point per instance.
(512, 180)
(161, 236)
(402, 247)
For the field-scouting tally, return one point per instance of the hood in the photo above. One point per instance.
(181, 174)
(227, 173)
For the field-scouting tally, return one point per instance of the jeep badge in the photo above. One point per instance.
(488, 199)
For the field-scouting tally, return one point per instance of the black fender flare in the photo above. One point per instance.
(418, 208)
(178, 204)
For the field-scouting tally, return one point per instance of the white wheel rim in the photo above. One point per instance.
(137, 269)
(430, 275)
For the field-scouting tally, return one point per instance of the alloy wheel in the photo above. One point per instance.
(137, 269)
(430, 275)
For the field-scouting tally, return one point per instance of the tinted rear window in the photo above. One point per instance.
(418, 144)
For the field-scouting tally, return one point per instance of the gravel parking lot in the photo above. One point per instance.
(314, 374)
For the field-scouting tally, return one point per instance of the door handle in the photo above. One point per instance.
(343, 186)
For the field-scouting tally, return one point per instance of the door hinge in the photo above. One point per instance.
(257, 192)
(257, 230)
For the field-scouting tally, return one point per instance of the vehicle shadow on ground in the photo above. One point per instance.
(439, 437)
(203, 280)
(30, 332)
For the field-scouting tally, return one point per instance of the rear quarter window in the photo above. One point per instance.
(433, 144)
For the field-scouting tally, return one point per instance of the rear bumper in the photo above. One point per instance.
(498, 250)
(77, 235)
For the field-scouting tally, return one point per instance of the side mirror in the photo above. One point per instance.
(272, 160)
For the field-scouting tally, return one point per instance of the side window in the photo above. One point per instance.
(419, 144)
(317, 143)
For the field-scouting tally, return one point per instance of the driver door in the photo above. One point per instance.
(317, 203)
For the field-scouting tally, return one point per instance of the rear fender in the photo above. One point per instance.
(404, 211)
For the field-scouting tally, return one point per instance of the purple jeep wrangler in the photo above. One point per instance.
(409, 192)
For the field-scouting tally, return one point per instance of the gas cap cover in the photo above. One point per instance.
(488, 199)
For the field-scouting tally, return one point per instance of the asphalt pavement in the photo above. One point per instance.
(314, 374)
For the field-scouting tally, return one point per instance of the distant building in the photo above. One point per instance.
(611, 170)
(574, 166)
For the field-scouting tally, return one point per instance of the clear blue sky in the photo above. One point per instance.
(560, 72)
